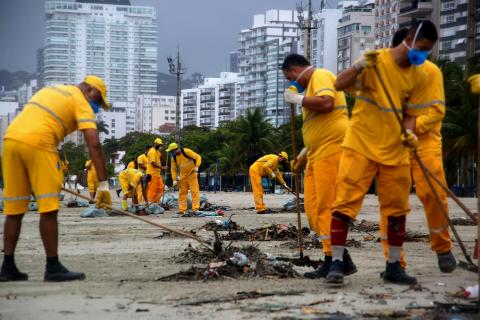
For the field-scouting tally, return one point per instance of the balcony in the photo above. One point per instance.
(416, 8)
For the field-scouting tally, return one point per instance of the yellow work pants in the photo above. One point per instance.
(440, 241)
(155, 189)
(319, 192)
(355, 175)
(186, 183)
(140, 193)
(257, 188)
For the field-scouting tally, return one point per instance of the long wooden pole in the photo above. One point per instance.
(297, 183)
(179, 232)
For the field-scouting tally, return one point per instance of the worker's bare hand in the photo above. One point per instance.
(410, 123)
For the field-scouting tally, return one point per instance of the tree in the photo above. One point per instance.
(102, 127)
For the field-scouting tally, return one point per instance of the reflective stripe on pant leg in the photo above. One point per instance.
(440, 240)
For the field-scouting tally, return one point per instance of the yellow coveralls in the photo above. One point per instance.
(130, 178)
(184, 168)
(428, 130)
(92, 179)
(264, 166)
(323, 157)
(141, 159)
(155, 186)
(30, 160)
(131, 165)
(373, 145)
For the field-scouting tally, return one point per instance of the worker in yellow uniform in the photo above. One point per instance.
(92, 179)
(184, 167)
(154, 168)
(427, 126)
(266, 166)
(375, 147)
(142, 162)
(326, 108)
(130, 180)
(31, 164)
(131, 165)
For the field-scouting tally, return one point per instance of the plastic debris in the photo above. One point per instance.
(239, 259)
(170, 201)
(75, 203)
(32, 206)
(93, 213)
(155, 209)
(292, 205)
(471, 292)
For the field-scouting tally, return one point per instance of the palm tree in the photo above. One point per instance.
(253, 133)
(102, 127)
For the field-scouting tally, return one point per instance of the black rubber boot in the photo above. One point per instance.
(58, 273)
(11, 273)
(394, 273)
(349, 266)
(322, 271)
(336, 274)
(446, 262)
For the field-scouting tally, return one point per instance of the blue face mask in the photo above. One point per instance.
(295, 82)
(95, 106)
(416, 57)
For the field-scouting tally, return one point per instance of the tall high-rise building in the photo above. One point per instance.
(154, 111)
(355, 34)
(107, 38)
(233, 63)
(211, 103)
(454, 24)
(386, 22)
(262, 49)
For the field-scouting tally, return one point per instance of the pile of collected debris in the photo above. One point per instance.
(369, 227)
(269, 232)
(170, 201)
(232, 262)
(463, 221)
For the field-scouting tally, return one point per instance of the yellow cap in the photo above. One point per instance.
(158, 141)
(98, 84)
(172, 146)
(284, 155)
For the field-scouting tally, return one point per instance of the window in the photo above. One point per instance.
(366, 29)
(449, 5)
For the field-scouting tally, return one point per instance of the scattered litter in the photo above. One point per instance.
(365, 226)
(269, 232)
(223, 266)
(386, 314)
(463, 221)
(32, 206)
(471, 292)
(75, 203)
(291, 206)
(93, 213)
(170, 201)
(155, 209)
(416, 236)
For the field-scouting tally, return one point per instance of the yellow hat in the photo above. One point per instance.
(172, 146)
(98, 84)
(158, 141)
(284, 155)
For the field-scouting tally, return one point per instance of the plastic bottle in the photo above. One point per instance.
(471, 292)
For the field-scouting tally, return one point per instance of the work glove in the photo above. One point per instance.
(298, 163)
(287, 188)
(195, 169)
(273, 175)
(409, 139)
(293, 97)
(368, 60)
(104, 198)
(474, 83)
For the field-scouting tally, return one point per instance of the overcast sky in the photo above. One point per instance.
(205, 30)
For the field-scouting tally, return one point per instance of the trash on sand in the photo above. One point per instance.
(223, 266)
(416, 236)
(463, 221)
(155, 209)
(365, 226)
(471, 292)
(170, 201)
(75, 203)
(93, 213)
(32, 206)
(291, 206)
(269, 232)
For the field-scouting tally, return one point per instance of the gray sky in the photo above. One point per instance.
(205, 30)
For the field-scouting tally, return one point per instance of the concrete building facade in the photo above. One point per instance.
(153, 112)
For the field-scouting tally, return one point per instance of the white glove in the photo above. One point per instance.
(175, 182)
(103, 186)
(196, 169)
(292, 97)
(273, 175)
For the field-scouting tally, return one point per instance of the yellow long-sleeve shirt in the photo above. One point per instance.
(142, 160)
(267, 165)
(154, 156)
(185, 165)
(429, 123)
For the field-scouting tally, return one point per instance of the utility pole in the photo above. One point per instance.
(307, 25)
(175, 67)
(471, 26)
